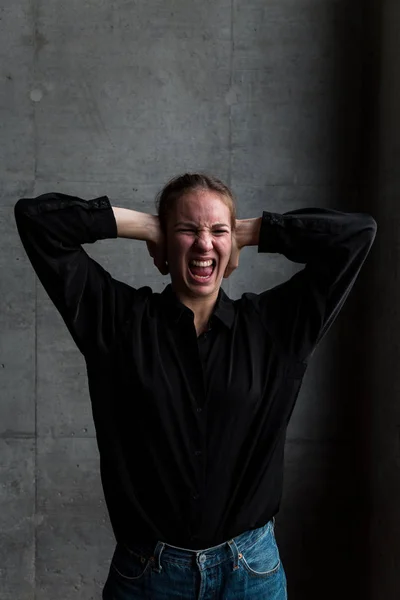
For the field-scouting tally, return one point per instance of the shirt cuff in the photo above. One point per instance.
(271, 223)
(104, 225)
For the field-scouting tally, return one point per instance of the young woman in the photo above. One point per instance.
(191, 391)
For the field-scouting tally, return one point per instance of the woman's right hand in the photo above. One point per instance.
(158, 251)
(137, 225)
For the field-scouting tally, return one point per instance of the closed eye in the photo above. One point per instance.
(218, 231)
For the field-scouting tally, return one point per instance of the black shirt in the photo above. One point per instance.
(191, 431)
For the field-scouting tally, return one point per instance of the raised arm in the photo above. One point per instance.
(52, 228)
(333, 245)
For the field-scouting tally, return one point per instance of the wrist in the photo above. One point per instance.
(152, 229)
(248, 232)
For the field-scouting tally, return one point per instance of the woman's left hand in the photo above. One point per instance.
(234, 258)
(247, 232)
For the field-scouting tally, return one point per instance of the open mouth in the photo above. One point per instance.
(202, 270)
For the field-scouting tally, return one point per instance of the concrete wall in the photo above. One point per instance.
(278, 98)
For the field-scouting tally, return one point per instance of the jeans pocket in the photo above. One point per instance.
(129, 565)
(262, 558)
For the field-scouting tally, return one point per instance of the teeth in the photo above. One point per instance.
(201, 263)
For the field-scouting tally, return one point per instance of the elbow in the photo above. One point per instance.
(372, 226)
(369, 225)
(21, 207)
(372, 223)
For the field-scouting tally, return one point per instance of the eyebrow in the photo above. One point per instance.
(191, 224)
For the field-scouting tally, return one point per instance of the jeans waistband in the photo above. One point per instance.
(206, 557)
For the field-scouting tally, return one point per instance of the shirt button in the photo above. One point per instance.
(198, 452)
(196, 496)
(199, 409)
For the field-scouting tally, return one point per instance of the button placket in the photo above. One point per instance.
(192, 359)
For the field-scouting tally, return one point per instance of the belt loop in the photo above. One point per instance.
(157, 556)
(236, 554)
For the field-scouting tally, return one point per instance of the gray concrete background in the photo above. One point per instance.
(293, 103)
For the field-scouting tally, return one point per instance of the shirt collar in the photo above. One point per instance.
(223, 309)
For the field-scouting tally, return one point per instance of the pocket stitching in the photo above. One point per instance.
(260, 573)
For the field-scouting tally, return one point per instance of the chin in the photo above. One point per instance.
(204, 290)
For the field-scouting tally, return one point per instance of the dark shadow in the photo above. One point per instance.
(324, 531)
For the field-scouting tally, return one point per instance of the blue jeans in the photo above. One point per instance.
(247, 567)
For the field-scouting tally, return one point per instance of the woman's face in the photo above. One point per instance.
(199, 242)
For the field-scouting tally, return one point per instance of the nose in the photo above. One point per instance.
(204, 241)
